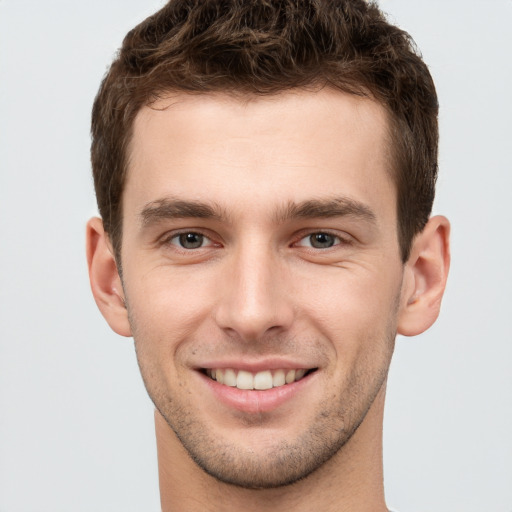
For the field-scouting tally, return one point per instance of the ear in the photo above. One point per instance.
(104, 278)
(425, 277)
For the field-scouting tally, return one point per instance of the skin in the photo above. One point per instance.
(256, 179)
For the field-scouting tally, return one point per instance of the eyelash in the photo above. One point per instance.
(339, 240)
(169, 240)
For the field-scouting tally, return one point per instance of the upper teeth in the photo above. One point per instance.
(266, 379)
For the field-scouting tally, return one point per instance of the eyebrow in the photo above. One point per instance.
(172, 208)
(326, 208)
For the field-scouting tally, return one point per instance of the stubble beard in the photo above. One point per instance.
(280, 463)
(277, 463)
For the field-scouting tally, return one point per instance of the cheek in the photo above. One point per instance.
(357, 291)
(355, 309)
(165, 290)
(162, 319)
(166, 309)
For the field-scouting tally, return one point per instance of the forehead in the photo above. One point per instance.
(288, 147)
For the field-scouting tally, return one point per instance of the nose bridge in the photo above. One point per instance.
(254, 299)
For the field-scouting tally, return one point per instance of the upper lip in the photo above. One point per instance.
(255, 366)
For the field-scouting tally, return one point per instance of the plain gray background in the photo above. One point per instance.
(76, 426)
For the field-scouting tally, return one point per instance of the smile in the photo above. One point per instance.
(262, 380)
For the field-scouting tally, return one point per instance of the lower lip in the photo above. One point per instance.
(255, 401)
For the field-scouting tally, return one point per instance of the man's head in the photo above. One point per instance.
(249, 49)
(252, 163)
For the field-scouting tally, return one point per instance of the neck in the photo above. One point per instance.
(352, 480)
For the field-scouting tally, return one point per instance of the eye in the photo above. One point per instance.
(320, 240)
(190, 240)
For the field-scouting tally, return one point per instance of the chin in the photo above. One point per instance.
(270, 463)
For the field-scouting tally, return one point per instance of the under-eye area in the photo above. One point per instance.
(262, 380)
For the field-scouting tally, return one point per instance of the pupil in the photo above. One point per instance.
(191, 240)
(322, 240)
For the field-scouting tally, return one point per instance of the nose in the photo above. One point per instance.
(254, 298)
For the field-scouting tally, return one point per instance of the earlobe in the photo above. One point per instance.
(425, 277)
(104, 277)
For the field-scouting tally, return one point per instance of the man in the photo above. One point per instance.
(265, 173)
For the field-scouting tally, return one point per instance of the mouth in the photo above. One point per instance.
(261, 380)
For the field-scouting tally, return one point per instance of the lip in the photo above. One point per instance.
(255, 366)
(255, 401)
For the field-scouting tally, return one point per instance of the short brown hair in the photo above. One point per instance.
(265, 47)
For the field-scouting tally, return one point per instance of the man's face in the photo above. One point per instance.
(260, 251)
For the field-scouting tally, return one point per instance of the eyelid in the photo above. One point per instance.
(171, 235)
(343, 239)
(205, 241)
